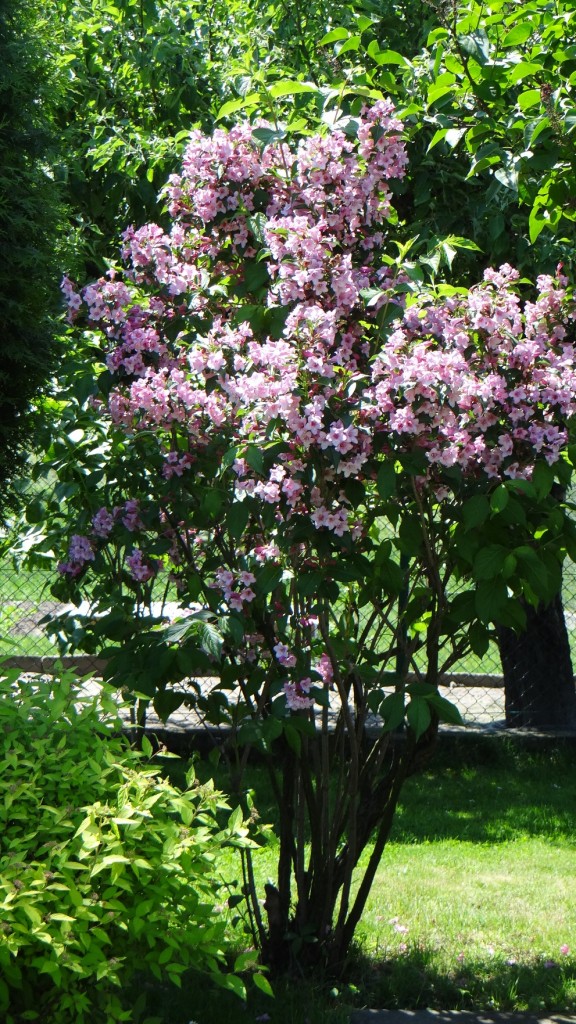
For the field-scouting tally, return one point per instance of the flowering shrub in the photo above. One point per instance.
(317, 453)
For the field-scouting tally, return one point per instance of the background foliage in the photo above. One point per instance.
(31, 225)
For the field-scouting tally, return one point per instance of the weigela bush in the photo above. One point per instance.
(265, 344)
(351, 477)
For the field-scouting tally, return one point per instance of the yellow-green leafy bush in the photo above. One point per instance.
(106, 869)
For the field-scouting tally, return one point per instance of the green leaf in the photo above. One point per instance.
(419, 715)
(232, 983)
(420, 688)
(307, 583)
(32, 914)
(211, 639)
(410, 539)
(232, 106)
(386, 481)
(439, 90)
(538, 220)
(165, 703)
(438, 136)
(525, 69)
(453, 136)
(212, 502)
(234, 823)
(476, 44)
(178, 630)
(290, 88)
(513, 614)
(261, 982)
(508, 177)
(231, 627)
(490, 599)
(334, 36)
(509, 566)
(499, 499)
(363, 22)
(528, 98)
(475, 511)
(391, 57)
(518, 35)
(479, 639)
(352, 43)
(293, 738)
(488, 562)
(110, 861)
(269, 577)
(245, 960)
(392, 711)
(230, 456)
(543, 477)
(255, 459)
(146, 747)
(237, 518)
(447, 711)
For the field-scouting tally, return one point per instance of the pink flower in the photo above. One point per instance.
(284, 655)
(80, 550)
(140, 569)
(102, 523)
(263, 552)
(131, 516)
(324, 667)
(296, 695)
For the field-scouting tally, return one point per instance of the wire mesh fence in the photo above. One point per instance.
(475, 685)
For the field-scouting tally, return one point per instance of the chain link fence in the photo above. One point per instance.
(475, 685)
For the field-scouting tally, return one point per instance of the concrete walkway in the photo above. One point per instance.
(453, 1017)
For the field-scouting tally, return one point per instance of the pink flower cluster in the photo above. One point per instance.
(236, 587)
(141, 568)
(82, 549)
(479, 382)
(80, 552)
(297, 694)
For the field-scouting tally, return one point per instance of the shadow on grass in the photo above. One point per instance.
(491, 790)
(410, 981)
(476, 789)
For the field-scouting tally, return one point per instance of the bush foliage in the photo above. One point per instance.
(106, 869)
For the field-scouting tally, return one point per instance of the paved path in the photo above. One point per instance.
(453, 1017)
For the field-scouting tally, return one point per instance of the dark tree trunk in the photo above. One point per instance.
(538, 674)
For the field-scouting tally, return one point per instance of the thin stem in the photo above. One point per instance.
(383, 832)
(257, 929)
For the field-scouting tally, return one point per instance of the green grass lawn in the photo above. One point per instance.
(473, 906)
